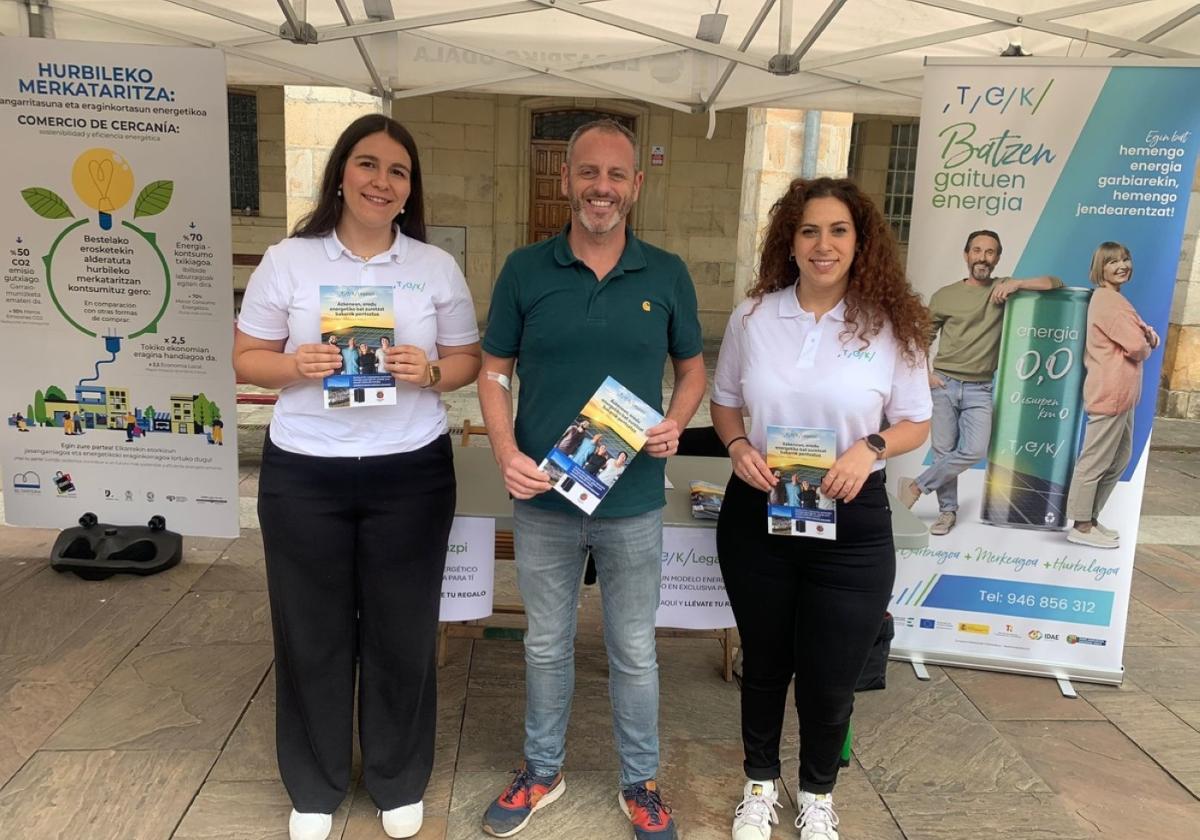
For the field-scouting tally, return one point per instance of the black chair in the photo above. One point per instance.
(702, 441)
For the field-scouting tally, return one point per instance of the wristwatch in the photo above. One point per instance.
(877, 444)
(434, 373)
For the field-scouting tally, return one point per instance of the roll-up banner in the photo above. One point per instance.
(1059, 161)
(117, 301)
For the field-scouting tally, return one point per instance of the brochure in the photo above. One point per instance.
(594, 451)
(706, 499)
(800, 458)
(357, 320)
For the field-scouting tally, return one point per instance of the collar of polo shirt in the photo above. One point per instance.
(789, 307)
(396, 253)
(632, 258)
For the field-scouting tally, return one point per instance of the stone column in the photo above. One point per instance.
(313, 119)
(1179, 394)
(775, 140)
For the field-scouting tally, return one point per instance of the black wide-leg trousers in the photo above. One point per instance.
(355, 552)
(808, 608)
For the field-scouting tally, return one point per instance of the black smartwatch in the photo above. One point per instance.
(877, 444)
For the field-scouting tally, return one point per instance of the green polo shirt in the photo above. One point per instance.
(569, 331)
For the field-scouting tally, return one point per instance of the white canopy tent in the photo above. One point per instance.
(688, 55)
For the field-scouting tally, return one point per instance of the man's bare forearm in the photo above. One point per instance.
(495, 401)
(690, 385)
(1044, 283)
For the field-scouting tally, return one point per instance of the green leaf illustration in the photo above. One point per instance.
(153, 199)
(46, 203)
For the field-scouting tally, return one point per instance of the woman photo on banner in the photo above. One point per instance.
(1118, 342)
(356, 504)
(829, 284)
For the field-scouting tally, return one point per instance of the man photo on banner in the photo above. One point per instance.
(593, 301)
(969, 314)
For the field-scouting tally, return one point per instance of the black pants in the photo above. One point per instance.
(355, 551)
(805, 607)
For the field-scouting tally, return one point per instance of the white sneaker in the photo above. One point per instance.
(942, 525)
(817, 820)
(404, 821)
(309, 826)
(1108, 532)
(1094, 538)
(754, 817)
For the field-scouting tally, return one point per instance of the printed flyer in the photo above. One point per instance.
(359, 322)
(117, 287)
(595, 450)
(706, 499)
(799, 458)
(1080, 172)
(692, 594)
(468, 581)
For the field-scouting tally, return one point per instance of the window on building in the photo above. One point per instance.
(560, 125)
(243, 152)
(902, 165)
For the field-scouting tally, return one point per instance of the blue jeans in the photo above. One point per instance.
(551, 548)
(962, 426)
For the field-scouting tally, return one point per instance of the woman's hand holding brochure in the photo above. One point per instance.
(316, 361)
(750, 466)
(845, 478)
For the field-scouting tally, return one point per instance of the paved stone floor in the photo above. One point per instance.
(143, 708)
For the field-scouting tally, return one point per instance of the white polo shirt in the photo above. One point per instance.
(431, 303)
(788, 369)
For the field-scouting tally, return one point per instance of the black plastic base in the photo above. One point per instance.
(96, 550)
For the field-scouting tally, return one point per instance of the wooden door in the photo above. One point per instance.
(549, 210)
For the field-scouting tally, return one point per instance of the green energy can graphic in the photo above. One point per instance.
(1038, 409)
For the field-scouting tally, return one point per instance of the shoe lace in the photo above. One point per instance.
(758, 809)
(523, 781)
(818, 815)
(650, 801)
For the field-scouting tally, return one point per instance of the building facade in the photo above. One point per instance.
(491, 164)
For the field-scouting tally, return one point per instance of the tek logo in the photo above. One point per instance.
(998, 97)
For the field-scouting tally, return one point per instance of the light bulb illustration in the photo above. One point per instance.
(103, 180)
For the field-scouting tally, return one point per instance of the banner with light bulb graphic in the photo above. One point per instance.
(117, 287)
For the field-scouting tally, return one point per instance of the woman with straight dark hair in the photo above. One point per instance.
(832, 338)
(356, 503)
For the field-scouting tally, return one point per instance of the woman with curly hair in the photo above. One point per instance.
(831, 337)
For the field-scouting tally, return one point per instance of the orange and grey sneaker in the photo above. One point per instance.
(525, 794)
(651, 817)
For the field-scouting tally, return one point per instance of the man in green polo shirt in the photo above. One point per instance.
(970, 316)
(590, 303)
